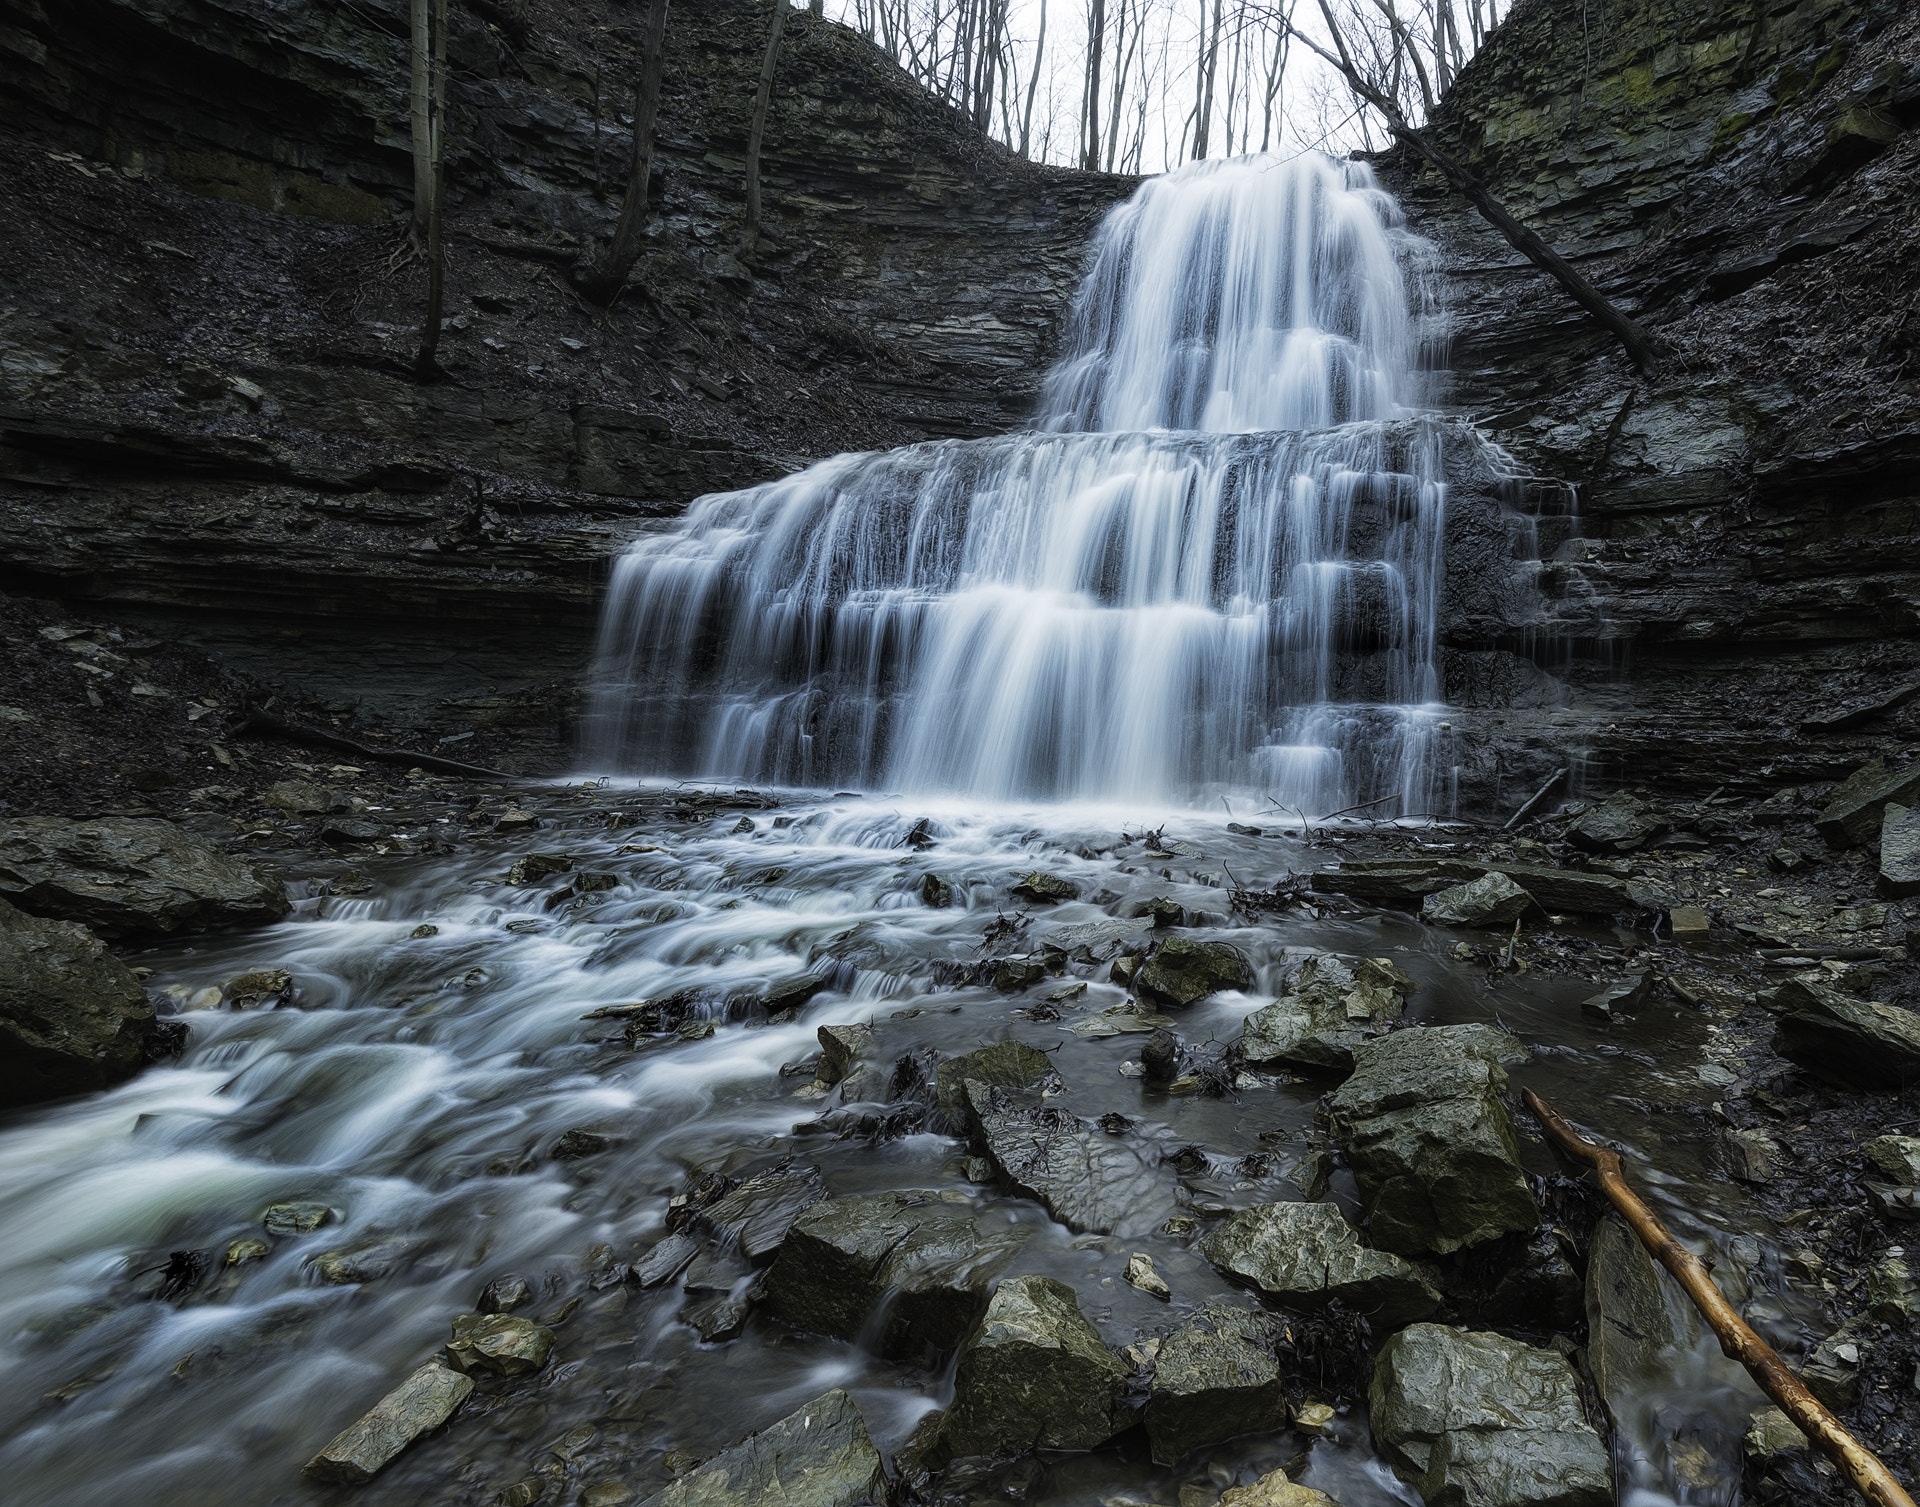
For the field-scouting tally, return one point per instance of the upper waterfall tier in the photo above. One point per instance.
(1248, 294)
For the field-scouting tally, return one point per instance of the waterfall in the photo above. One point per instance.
(1213, 563)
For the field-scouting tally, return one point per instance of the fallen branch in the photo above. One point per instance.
(1738, 1342)
(1361, 807)
(1538, 796)
(257, 721)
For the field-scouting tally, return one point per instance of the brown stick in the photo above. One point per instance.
(1860, 1465)
(257, 721)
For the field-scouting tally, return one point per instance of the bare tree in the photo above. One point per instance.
(429, 109)
(757, 129)
(1033, 84)
(603, 280)
(1203, 84)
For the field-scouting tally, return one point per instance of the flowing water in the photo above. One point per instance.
(1046, 645)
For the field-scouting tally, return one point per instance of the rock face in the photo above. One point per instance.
(1216, 1376)
(1329, 1009)
(1479, 1420)
(1185, 970)
(1306, 1255)
(1430, 1143)
(1034, 1375)
(1493, 900)
(72, 1018)
(1851, 1042)
(130, 877)
(424, 1401)
(818, 1457)
(1899, 875)
(930, 1261)
(1088, 1180)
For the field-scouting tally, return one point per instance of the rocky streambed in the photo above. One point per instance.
(593, 1144)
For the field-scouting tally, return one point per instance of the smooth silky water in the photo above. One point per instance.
(1037, 644)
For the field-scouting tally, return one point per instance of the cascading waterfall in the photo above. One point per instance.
(1213, 564)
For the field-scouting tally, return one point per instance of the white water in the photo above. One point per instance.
(1214, 564)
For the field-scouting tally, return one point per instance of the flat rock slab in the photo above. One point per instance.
(1430, 1142)
(1090, 1181)
(1306, 1255)
(1480, 1420)
(424, 1401)
(757, 1214)
(73, 1019)
(1491, 900)
(818, 1457)
(1034, 1375)
(1217, 1376)
(1899, 852)
(1855, 811)
(931, 1262)
(1850, 1042)
(130, 877)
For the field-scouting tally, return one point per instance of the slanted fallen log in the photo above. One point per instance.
(1738, 1342)
(257, 721)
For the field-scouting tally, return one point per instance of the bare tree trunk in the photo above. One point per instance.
(1276, 74)
(1209, 61)
(1096, 43)
(604, 280)
(818, 10)
(1033, 84)
(758, 128)
(426, 365)
(420, 67)
(1637, 343)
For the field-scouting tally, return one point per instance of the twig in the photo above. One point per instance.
(1737, 1341)
(1361, 807)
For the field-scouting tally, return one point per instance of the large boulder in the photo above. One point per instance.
(1004, 1064)
(1480, 1420)
(1329, 1009)
(1307, 1256)
(1215, 1377)
(1430, 1142)
(820, 1456)
(1634, 1324)
(1034, 1375)
(1491, 900)
(1850, 1042)
(72, 1018)
(130, 877)
(1185, 970)
(844, 1257)
(1089, 1180)
(1855, 811)
(1618, 824)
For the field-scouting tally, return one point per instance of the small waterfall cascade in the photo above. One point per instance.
(1212, 564)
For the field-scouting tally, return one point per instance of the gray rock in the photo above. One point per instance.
(424, 1401)
(818, 1457)
(1430, 1142)
(1327, 1011)
(720, 1316)
(73, 1019)
(1855, 811)
(1399, 881)
(1215, 1377)
(666, 1260)
(504, 1294)
(1005, 1064)
(1622, 999)
(365, 1260)
(1899, 875)
(930, 1262)
(1850, 1042)
(1043, 889)
(304, 798)
(297, 1218)
(498, 1342)
(1306, 1255)
(1185, 970)
(793, 991)
(1088, 1180)
(130, 877)
(259, 989)
(1480, 1420)
(1034, 1375)
(1618, 824)
(577, 1144)
(1896, 1158)
(840, 1048)
(1160, 1057)
(757, 1215)
(1633, 1321)
(1491, 900)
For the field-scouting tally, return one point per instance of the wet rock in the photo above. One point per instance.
(1622, 999)
(1899, 875)
(931, 1262)
(1015, 974)
(1619, 824)
(1689, 923)
(364, 1261)
(1005, 1064)
(1409, 881)
(1896, 1158)
(1161, 911)
(1274, 1490)
(424, 1401)
(296, 1218)
(1540, 1291)
(793, 991)
(666, 1260)
(758, 1213)
(1140, 1273)
(1216, 1376)
(504, 1294)
(840, 1048)
(1855, 811)
(1043, 889)
(721, 1317)
(1751, 1155)
(1033, 1374)
(1306, 1255)
(1771, 1434)
(1492, 900)
(342, 831)
(1121, 1020)
(1185, 970)
(1090, 1181)
(1328, 1010)
(262, 989)
(73, 1018)
(1480, 1420)
(1832, 1370)
(935, 892)
(1161, 1057)
(1429, 1141)
(573, 1145)
(537, 866)
(1852, 1043)
(1892, 1296)
(820, 1456)
(240, 1252)
(1633, 1322)
(130, 877)
(498, 1342)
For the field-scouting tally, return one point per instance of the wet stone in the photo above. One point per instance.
(1274, 1490)
(1899, 876)
(820, 1456)
(504, 1294)
(793, 991)
(73, 1019)
(576, 1144)
(296, 1218)
(1850, 1042)
(1034, 1375)
(1161, 1057)
(498, 1342)
(757, 1214)
(1183, 971)
(261, 989)
(666, 1260)
(239, 1252)
(1619, 824)
(1855, 811)
(1005, 1064)
(1329, 1009)
(1621, 999)
(1306, 1255)
(1090, 1181)
(1632, 1327)
(537, 866)
(1043, 889)
(1492, 900)
(1481, 1419)
(840, 1048)
(1896, 1158)
(364, 1261)
(1140, 1272)
(935, 892)
(719, 1317)
(424, 1401)
(1216, 1376)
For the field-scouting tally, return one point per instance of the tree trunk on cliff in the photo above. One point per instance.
(1637, 343)
(758, 127)
(603, 281)
(429, 151)
(1033, 84)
